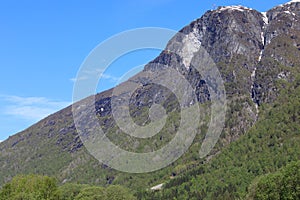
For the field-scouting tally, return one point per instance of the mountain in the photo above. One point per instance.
(257, 55)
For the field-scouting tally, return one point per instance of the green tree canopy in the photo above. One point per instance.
(283, 185)
(29, 187)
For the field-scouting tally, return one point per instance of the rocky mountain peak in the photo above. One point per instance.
(252, 51)
(234, 8)
(291, 2)
(289, 10)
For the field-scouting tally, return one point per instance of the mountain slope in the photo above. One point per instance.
(271, 144)
(273, 141)
(257, 56)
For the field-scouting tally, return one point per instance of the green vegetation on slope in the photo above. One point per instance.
(36, 187)
(29, 187)
(270, 145)
(282, 185)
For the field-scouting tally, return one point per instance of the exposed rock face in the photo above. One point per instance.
(232, 36)
(254, 52)
(280, 56)
(229, 31)
(282, 19)
(223, 33)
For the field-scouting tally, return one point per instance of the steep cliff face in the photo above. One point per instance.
(283, 19)
(256, 53)
(233, 37)
(280, 56)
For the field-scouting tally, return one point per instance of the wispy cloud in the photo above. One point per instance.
(81, 78)
(30, 108)
(108, 77)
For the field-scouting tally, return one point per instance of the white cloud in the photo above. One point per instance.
(82, 78)
(30, 108)
(108, 77)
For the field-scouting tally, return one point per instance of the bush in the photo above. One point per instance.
(29, 187)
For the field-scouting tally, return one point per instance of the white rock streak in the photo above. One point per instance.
(263, 43)
(253, 74)
(290, 13)
(260, 56)
(265, 17)
(157, 187)
(191, 45)
(262, 34)
(257, 110)
(252, 87)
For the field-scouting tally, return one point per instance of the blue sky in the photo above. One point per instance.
(43, 44)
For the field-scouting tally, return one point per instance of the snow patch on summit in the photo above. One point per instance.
(288, 3)
(237, 8)
(293, 1)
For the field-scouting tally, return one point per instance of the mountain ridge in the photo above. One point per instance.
(250, 55)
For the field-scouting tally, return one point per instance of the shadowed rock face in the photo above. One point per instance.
(252, 50)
